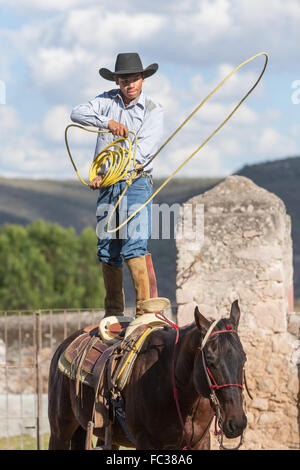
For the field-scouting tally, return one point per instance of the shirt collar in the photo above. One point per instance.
(140, 100)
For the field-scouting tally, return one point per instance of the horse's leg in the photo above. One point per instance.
(78, 439)
(63, 426)
(204, 443)
(142, 441)
(62, 420)
(61, 440)
(100, 443)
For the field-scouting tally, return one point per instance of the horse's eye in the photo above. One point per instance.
(209, 358)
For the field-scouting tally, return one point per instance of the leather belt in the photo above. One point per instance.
(142, 174)
(139, 175)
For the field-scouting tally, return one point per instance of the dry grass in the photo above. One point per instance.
(24, 442)
(29, 443)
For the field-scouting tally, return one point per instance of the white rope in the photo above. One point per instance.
(208, 334)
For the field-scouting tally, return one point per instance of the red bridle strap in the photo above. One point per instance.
(229, 330)
(161, 316)
(214, 385)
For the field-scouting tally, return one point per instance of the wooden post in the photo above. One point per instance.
(38, 377)
(89, 436)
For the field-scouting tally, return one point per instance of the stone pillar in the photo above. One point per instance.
(247, 255)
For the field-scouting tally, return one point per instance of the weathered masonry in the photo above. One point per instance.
(247, 255)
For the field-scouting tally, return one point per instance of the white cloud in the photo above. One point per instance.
(206, 163)
(29, 157)
(63, 44)
(9, 120)
(105, 29)
(204, 21)
(274, 144)
(55, 122)
(35, 6)
(236, 86)
(187, 33)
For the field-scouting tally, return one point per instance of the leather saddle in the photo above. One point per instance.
(102, 357)
(106, 368)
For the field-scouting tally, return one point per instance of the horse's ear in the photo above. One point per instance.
(235, 314)
(200, 320)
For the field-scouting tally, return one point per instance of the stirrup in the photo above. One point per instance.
(111, 329)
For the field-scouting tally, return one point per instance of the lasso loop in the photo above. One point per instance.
(119, 157)
(120, 160)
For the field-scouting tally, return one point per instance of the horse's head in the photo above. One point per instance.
(222, 358)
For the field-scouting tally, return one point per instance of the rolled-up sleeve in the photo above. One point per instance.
(150, 135)
(92, 113)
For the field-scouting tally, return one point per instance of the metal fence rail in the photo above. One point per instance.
(28, 340)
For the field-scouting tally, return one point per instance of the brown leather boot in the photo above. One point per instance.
(142, 273)
(114, 303)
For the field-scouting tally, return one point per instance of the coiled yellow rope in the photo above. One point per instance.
(119, 157)
(119, 169)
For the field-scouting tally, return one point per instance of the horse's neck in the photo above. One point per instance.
(187, 347)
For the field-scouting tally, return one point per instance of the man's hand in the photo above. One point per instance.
(96, 182)
(117, 128)
(138, 167)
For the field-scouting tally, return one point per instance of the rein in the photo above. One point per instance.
(160, 316)
(214, 386)
(210, 380)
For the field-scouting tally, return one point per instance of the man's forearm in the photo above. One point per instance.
(86, 115)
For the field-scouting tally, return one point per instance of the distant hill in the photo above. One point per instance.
(70, 204)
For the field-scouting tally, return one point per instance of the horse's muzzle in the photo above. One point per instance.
(234, 426)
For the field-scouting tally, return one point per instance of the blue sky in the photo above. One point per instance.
(51, 52)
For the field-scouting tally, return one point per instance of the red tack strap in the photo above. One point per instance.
(161, 316)
(216, 386)
(227, 385)
(222, 331)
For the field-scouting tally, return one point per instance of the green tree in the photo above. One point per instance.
(46, 266)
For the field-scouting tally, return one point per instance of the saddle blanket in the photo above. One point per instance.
(80, 358)
(85, 358)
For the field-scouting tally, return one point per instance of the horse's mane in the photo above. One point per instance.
(222, 324)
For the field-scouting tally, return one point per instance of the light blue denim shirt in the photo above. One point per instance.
(144, 116)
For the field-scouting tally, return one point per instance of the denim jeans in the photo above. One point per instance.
(131, 240)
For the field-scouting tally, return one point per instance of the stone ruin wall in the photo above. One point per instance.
(247, 255)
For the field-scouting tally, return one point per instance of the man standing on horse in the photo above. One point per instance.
(122, 110)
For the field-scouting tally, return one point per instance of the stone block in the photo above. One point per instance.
(185, 313)
(294, 324)
(271, 315)
(260, 253)
(274, 273)
(247, 254)
(260, 404)
(184, 296)
(267, 419)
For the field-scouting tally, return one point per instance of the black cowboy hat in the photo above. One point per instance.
(126, 64)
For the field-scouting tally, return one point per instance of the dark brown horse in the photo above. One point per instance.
(151, 413)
